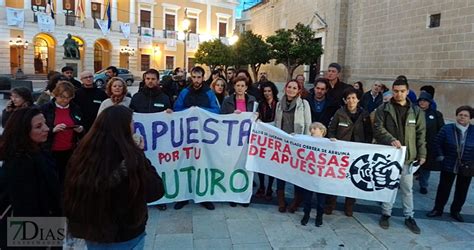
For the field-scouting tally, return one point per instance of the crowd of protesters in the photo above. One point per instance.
(73, 152)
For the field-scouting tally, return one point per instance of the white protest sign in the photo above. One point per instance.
(199, 155)
(363, 171)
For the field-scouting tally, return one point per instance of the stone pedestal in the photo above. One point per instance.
(76, 64)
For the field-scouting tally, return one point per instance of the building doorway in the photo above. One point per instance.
(44, 53)
(102, 52)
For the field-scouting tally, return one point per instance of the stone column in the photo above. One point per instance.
(114, 10)
(27, 4)
(132, 11)
(88, 8)
(59, 6)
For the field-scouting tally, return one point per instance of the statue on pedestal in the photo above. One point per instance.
(71, 48)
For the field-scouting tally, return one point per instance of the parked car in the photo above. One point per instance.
(125, 74)
(165, 72)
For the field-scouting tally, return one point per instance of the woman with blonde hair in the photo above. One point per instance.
(218, 86)
(116, 89)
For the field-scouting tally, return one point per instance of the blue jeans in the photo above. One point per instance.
(424, 177)
(137, 243)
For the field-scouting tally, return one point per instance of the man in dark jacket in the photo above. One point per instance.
(201, 96)
(400, 123)
(88, 98)
(197, 94)
(322, 107)
(150, 98)
(68, 72)
(173, 85)
(434, 122)
(372, 98)
(337, 87)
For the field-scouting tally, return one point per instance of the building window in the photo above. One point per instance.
(191, 63)
(434, 20)
(69, 7)
(145, 59)
(192, 25)
(170, 22)
(222, 29)
(95, 8)
(170, 62)
(145, 18)
(38, 5)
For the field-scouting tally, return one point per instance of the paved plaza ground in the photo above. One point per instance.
(261, 226)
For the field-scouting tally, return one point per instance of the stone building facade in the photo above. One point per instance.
(156, 34)
(431, 42)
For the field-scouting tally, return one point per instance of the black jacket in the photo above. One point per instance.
(369, 103)
(229, 104)
(148, 100)
(89, 100)
(434, 123)
(33, 185)
(328, 112)
(49, 112)
(335, 94)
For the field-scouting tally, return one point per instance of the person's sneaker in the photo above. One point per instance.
(411, 224)
(383, 222)
(305, 219)
(180, 204)
(232, 204)
(457, 216)
(208, 205)
(423, 191)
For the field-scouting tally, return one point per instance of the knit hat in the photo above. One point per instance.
(425, 96)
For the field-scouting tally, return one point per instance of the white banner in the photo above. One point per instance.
(104, 26)
(15, 17)
(193, 41)
(199, 155)
(125, 28)
(45, 22)
(358, 170)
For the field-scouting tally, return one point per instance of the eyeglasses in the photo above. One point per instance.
(87, 77)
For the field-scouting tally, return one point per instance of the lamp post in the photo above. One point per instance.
(185, 26)
(128, 52)
(20, 45)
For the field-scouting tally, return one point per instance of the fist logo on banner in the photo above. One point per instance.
(376, 173)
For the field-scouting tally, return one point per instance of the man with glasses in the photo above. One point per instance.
(88, 98)
(372, 98)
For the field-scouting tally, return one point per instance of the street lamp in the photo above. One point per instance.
(185, 25)
(20, 45)
(233, 39)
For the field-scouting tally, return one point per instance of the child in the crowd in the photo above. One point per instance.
(316, 129)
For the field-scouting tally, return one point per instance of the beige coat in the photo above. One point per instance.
(302, 116)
